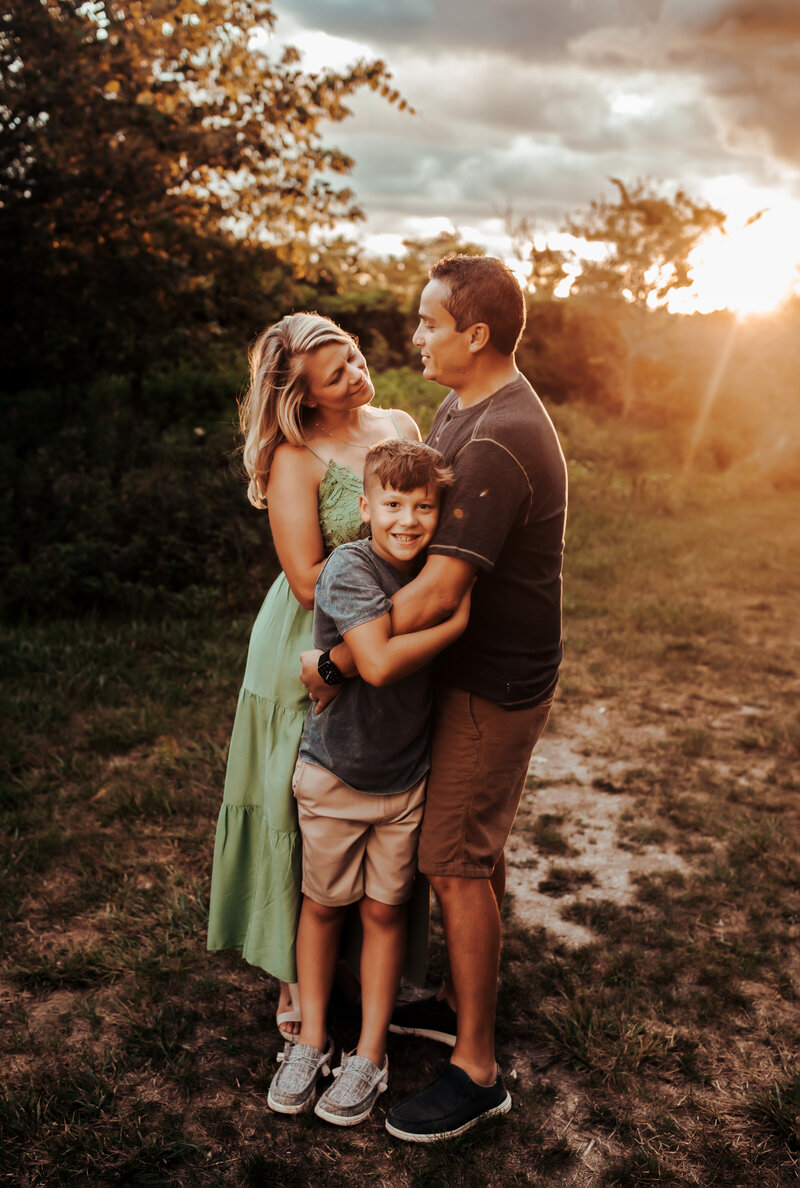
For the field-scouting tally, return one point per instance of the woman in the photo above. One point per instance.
(307, 424)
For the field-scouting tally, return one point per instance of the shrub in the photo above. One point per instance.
(110, 513)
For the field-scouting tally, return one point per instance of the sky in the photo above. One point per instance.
(530, 106)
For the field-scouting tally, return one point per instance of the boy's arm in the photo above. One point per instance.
(433, 595)
(381, 658)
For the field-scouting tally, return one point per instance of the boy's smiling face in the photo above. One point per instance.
(402, 522)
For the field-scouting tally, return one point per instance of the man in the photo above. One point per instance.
(502, 526)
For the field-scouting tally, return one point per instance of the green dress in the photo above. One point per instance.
(255, 882)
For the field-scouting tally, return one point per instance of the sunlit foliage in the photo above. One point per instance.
(648, 240)
(138, 137)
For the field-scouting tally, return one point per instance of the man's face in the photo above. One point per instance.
(402, 522)
(446, 354)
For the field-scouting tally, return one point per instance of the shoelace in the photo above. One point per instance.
(324, 1068)
(337, 1072)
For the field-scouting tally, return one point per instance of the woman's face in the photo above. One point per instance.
(338, 378)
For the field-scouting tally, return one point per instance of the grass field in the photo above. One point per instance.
(663, 1050)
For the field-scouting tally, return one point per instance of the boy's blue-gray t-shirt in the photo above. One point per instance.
(377, 740)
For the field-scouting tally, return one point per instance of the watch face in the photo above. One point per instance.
(330, 673)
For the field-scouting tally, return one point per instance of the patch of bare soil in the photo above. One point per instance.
(576, 768)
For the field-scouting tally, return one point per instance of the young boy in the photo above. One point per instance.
(360, 778)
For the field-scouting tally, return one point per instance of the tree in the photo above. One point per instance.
(649, 240)
(407, 275)
(547, 265)
(142, 140)
(548, 270)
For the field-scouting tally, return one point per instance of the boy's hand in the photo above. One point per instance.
(320, 693)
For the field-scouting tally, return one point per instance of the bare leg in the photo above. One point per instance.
(348, 982)
(498, 885)
(472, 931)
(317, 952)
(381, 966)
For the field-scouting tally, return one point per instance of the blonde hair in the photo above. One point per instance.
(272, 409)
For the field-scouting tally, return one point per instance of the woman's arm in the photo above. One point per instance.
(382, 658)
(293, 504)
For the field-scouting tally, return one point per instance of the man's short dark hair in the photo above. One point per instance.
(406, 465)
(483, 289)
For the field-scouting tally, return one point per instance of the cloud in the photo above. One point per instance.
(754, 50)
(518, 28)
(523, 136)
(744, 55)
(535, 105)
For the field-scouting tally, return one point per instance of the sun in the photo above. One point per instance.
(750, 269)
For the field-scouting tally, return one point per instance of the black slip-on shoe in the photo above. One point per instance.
(447, 1108)
(430, 1018)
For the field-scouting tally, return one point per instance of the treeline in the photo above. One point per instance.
(165, 192)
(116, 505)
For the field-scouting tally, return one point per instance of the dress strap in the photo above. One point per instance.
(316, 455)
(396, 426)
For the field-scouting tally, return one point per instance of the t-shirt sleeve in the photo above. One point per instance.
(348, 591)
(480, 508)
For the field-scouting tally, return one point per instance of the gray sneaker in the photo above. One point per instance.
(354, 1092)
(295, 1083)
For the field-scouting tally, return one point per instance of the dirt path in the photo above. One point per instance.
(573, 810)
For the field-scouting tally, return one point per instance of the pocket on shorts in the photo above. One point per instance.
(468, 724)
(541, 719)
(297, 776)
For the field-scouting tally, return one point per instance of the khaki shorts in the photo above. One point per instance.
(479, 763)
(355, 843)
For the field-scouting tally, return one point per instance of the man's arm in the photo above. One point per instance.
(433, 595)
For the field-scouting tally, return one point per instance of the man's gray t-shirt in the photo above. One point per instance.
(377, 740)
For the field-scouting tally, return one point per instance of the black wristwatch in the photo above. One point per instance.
(328, 670)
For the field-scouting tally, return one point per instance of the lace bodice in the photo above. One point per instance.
(339, 517)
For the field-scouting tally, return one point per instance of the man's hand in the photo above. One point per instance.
(318, 691)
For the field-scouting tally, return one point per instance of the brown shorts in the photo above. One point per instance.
(355, 843)
(479, 763)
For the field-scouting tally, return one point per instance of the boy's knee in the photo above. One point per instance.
(382, 914)
(323, 913)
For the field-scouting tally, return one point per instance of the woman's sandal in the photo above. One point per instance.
(291, 1015)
